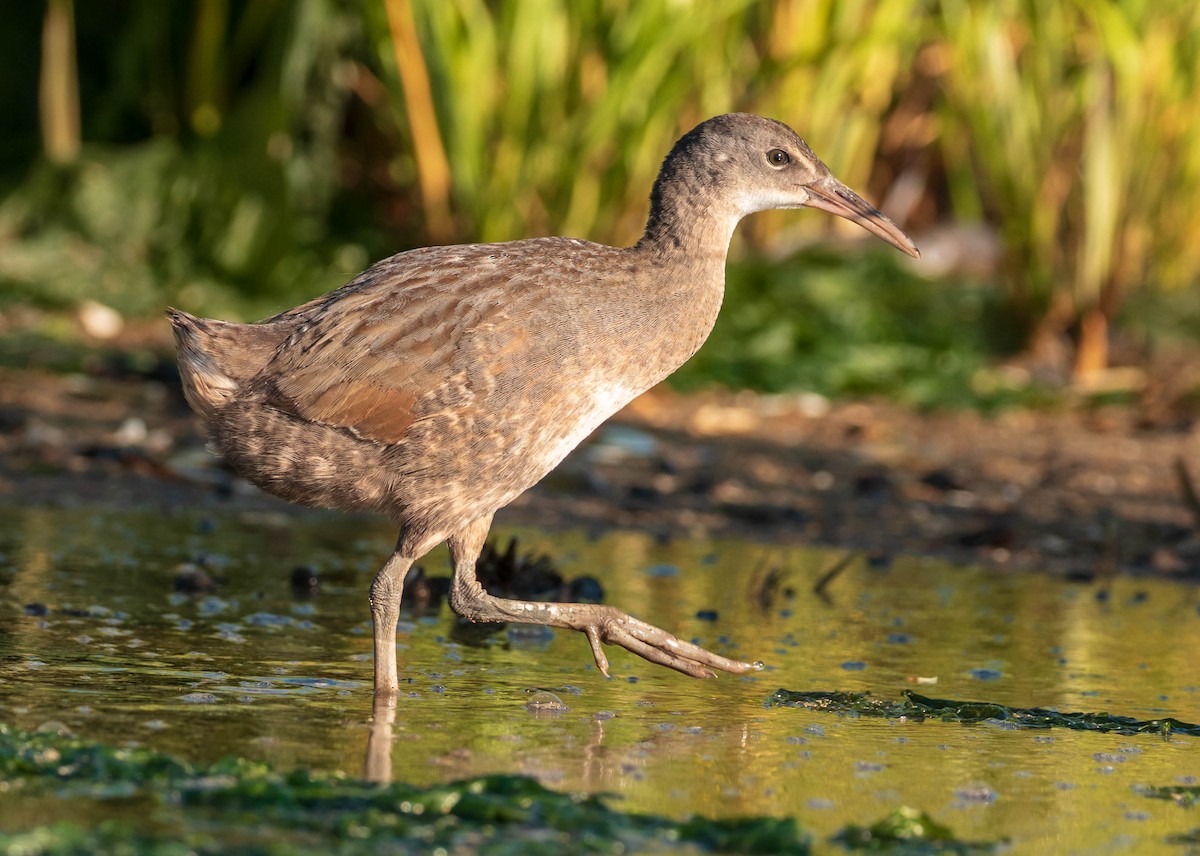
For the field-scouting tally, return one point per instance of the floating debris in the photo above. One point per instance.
(986, 674)
(305, 582)
(919, 707)
(1184, 795)
(192, 579)
(544, 703)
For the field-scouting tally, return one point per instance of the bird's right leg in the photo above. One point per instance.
(386, 592)
(601, 624)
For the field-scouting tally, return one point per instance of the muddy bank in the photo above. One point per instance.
(1086, 492)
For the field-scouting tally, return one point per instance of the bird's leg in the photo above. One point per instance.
(601, 624)
(386, 591)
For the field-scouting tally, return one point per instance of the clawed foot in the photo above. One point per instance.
(602, 624)
(656, 645)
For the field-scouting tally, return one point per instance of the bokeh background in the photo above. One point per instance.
(236, 157)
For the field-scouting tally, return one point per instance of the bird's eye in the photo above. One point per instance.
(778, 157)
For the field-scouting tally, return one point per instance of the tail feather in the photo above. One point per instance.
(216, 358)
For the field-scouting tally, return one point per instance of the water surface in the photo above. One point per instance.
(96, 639)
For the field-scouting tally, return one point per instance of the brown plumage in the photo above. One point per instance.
(443, 382)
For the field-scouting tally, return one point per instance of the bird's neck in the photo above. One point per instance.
(680, 264)
(691, 222)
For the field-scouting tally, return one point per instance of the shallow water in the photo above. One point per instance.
(93, 636)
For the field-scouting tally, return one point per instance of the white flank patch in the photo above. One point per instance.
(607, 399)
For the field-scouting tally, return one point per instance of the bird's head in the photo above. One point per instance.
(756, 164)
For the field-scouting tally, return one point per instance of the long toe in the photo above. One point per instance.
(658, 646)
(662, 656)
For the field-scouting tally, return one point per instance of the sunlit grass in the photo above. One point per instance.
(1077, 130)
(291, 144)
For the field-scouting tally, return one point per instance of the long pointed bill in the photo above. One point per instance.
(831, 195)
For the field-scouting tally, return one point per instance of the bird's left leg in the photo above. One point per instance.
(601, 624)
(386, 591)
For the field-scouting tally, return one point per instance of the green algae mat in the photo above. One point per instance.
(175, 807)
(246, 806)
(924, 709)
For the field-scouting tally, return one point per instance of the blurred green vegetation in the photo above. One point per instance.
(237, 157)
(866, 325)
(209, 173)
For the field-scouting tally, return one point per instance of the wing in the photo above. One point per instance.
(426, 332)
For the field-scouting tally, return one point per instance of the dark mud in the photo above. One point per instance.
(1089, 492)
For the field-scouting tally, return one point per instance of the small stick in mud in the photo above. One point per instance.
(830, 575)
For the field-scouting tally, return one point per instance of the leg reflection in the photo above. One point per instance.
(377, 766)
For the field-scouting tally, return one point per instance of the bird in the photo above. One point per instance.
(442, 382)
